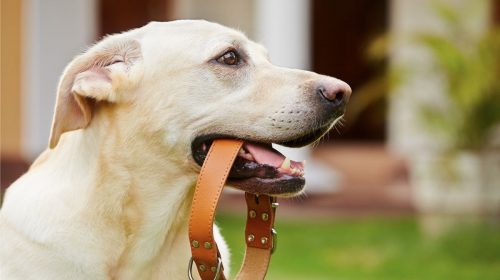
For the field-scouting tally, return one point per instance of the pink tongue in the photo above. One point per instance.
(265, 155)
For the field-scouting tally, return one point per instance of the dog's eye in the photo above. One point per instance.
(229, 58)
(117, 61)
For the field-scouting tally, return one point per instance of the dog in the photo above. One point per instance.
(134, 118)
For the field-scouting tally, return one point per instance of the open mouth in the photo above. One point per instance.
(259, 168)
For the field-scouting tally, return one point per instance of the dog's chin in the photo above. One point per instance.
(260, 169)
(285, 186)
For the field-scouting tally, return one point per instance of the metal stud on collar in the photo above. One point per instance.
(263, 240)
(265, 216)
(252, 214)
(250, 238)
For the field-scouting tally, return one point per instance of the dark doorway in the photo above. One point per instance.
(342, 30)
(496, 12)
(117, 15)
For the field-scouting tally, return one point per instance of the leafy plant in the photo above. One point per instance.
(470, 66)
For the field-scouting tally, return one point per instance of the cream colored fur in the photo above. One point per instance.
(110, 199)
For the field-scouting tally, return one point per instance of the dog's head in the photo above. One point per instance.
(191, 82)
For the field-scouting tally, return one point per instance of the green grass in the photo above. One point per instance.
(373, 248)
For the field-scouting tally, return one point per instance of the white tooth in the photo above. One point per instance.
(286, 164)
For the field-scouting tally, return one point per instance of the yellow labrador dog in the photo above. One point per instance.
(134, 118)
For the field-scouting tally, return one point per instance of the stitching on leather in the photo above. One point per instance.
(229, 163)
(196, 192)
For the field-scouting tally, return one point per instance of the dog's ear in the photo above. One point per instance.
(100, 74)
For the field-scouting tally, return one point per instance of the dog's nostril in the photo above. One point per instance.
(321, 91)
(335, 96)
(339, 96)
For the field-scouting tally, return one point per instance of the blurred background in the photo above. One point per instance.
(407, 187)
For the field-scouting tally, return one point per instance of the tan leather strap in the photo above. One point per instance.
(260, 220)
(260, 236)
(209, 186)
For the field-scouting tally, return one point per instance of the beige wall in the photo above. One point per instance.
(49, 45)
(237, 14)
(11, 77)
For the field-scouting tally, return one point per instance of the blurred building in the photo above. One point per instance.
(42, 36)
(39, 37)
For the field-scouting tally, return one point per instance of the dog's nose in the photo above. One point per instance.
(335, 92)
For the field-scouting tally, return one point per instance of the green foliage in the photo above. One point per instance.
(372, 248)
(470, 67)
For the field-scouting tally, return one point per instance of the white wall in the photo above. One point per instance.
(236, 14)
(54, 32)
(283, 27)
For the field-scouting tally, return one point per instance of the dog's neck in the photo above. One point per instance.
(136, 185)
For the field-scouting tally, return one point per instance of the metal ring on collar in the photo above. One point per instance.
(275, 240)
(217, 271)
